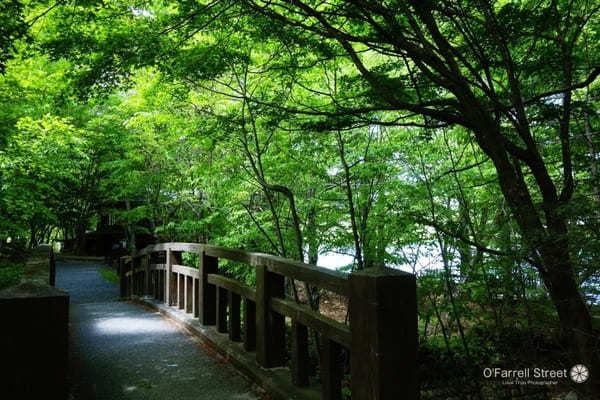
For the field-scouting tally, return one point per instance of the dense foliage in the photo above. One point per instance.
(458, 140)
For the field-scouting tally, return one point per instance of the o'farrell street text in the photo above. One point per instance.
(525, 373)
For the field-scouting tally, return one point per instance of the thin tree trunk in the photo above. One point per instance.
(593, 157)
(350, 197)
(130, 230)
(441, 323)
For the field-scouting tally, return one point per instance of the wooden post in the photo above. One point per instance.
(221, 310)
(331, 371)
(234, 325)
(207, 292)
(270, 326)
(249, 325)
(34, 339)
(383, 321)
(299, 354)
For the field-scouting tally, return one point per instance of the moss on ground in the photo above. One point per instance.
(109, 275)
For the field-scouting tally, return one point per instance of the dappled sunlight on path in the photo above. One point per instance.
(123, 351)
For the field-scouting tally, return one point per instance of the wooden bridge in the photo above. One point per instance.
(381, 338)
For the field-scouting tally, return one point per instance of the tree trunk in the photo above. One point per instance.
(79, 239)
(311, 229)
(550, 247)
(574, 316)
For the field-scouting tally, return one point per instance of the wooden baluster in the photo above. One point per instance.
(234, 301)
(196, 297)
(150, 282)
(161, 285)
(178, 284)
(221, 310)
(165, 286)
(157, 278)
(131, 278)
(270, 326)
(154, 283)
(157, 282)
(180, 291)
(138, 277)
(331, 370)
(189, 290)
(300, 362)
(123, 279)
(173, 290)
(249, 325)
(168, 274)
(207, 292)
(147, 279)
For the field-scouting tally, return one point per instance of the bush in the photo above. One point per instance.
(10, 274)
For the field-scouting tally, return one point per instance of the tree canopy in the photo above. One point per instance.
(457, 139)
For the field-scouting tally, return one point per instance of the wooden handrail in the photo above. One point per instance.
(233, 286)
(328, 279)
(328, 327)
(187, 271)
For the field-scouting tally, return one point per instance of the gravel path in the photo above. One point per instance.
(124, 351)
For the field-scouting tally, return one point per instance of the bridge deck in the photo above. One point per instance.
(123, 351)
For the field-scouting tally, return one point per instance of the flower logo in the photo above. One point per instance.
(579, 373)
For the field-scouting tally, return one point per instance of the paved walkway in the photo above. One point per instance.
(123, 351)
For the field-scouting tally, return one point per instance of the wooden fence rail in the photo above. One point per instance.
(381, 337)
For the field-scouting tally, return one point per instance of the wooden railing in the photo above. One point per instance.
(381, 337)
